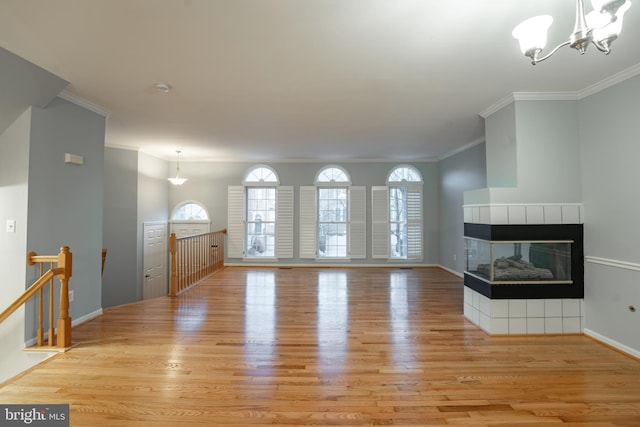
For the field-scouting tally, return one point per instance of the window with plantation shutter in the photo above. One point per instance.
(397, 227)
(307, 235)
(414, 221)
(358, 222)
(333, 217)
(235, 222)
(284, 223)
(380, 222)
(260, 217)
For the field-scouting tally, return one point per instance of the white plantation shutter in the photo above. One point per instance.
(358, 222)
(235, 221)
(308, 226)
(380, 222)
(284, 223)
(414, 221)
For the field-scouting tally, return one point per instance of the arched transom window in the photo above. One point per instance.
(261, 174)
(190, 211)
(333, 174)
(404, 173)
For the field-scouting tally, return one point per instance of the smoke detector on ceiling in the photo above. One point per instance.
(163, 87)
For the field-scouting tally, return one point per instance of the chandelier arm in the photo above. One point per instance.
(601, 47)
(535, 59)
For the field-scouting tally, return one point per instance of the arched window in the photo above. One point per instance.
(190, 211)
(404, 173)
(332, 174)
(261, 174)
(260, 216)
(332, 217)
(398, 214)
(190, 218)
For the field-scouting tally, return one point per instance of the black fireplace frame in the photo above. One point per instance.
(531, 232)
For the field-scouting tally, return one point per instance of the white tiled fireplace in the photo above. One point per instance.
(535, 314)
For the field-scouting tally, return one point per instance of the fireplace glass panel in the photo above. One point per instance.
(519, 262)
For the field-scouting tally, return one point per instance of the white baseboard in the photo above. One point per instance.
(612, 343)
(327, 264)
(74, 322)
(86, 318)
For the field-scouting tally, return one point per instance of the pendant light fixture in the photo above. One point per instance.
(600, 28)
(178, 180)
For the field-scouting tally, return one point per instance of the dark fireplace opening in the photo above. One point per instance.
(525, 261)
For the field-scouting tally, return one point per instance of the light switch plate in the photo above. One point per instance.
(11, 226)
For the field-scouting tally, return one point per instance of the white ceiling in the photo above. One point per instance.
(300, 79)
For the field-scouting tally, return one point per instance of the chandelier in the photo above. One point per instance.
(178, 180)
(600, 27)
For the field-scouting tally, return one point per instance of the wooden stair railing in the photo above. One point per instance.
(194, 258)
(104, 258)
(63, 271)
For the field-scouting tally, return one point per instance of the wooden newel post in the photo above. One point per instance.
(174, 274)
(64, 321)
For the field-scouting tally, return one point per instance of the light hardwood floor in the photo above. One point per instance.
(331, 346)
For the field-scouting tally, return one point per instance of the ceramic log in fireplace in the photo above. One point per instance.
(525, 261)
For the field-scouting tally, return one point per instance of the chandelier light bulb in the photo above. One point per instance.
(532, 33)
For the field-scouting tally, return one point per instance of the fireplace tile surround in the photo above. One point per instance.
(500, 315)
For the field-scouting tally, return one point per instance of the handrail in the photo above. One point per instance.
(33, 259)
(63, 271)
(194, 258)
(37, 285)
(104, 258)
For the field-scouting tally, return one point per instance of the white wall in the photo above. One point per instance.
(14, 175)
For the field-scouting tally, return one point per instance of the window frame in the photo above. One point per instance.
(249, 184)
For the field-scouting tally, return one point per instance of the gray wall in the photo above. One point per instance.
(539, 142)
(459, 173)
(208, 184)
(610, 178)
(23, 84)
(501, 149)
(120, 227)
(65, 200)
(548, 154)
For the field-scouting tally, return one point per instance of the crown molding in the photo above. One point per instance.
(610, 81)
(497, 106)
(461, 149)
(75, 99)
(619, 77)
(121, 147)
(546, 96)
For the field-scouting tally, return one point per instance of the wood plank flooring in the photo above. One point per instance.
(333, 346)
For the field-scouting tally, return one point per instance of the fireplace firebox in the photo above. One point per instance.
(525, 261)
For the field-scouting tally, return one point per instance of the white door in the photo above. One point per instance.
(154, 282)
